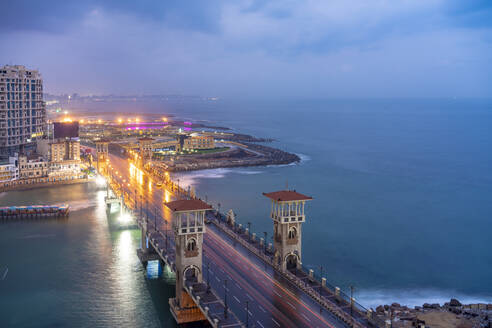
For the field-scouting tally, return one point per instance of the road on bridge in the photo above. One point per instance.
(270, 299)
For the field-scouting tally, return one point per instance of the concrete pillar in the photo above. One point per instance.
(369, 314)
(311, 274)
(143, 245)
(262, 241)
(269, 246)
(253, 237)
(337, 292)
(352, 301)
(246, 231)
(323, 282)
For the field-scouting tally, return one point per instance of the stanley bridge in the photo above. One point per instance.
(225, 274)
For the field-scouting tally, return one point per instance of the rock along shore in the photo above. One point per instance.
(247, 154)
(450, 314)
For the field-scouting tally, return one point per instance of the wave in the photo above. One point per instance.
(82, 204)
(304, 157)
(415, 297)
(190, 178)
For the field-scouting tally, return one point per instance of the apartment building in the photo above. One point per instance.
(22, 109)
(9, 170)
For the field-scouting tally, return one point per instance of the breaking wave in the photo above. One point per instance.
(415, 297)
(191, 178)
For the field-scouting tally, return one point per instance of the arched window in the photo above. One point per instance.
(292, 233)
(191, 245)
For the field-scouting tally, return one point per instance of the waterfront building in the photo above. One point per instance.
(9, 171)
(32, 166)
(65, 158)
(194, 142)
(22, 109)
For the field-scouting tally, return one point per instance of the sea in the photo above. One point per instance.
(401, 210)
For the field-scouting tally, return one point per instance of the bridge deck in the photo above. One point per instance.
(212, 307)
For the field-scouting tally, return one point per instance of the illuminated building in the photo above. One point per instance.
(9, 171)
(194, 142)
(22, 109)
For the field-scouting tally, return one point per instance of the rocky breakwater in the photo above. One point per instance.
(451, 314)
(246, 155)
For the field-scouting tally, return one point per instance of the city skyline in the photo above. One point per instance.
(254, 49)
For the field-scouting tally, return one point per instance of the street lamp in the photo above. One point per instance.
(208, 277)
(155, 218)
(225, 299)
(266, 234)
(351, 302)
(247, 314)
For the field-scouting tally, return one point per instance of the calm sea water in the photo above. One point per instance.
(80, 272)
(402, 210)
(402, 191)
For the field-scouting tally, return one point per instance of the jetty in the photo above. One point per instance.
(34, 211)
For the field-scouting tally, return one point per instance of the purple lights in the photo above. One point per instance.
(187, 123)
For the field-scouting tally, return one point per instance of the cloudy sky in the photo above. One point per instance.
(278, 48)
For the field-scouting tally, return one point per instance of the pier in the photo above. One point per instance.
(34, 212)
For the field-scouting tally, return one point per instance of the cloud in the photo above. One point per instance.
(255, 48)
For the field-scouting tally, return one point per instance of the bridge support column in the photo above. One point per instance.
(287, 213)
(188, 224)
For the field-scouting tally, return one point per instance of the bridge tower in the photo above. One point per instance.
(188, 224)
(145, 147)
(287, 213)
(102, 153)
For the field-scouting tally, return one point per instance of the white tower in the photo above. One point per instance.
(287, 213)
(188, 224)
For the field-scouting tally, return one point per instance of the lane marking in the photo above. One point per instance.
(292, 306)
(260, 323)
(237, 299)
(286, 291)
(275, 321)
(249, 296)
(305, 317)
(261, 308)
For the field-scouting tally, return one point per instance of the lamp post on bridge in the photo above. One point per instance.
(351, 302)
(208, 277)
(225, 299)
(265, 241)
(247, 314)
(249, 231)
(155, 218)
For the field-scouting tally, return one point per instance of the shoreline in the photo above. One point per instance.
(239, 155)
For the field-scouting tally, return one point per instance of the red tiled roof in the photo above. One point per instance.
(188, 205)
(286, 196)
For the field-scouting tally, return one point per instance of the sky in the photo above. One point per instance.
(254, 48)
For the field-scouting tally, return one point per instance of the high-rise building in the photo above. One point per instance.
(22, 109)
